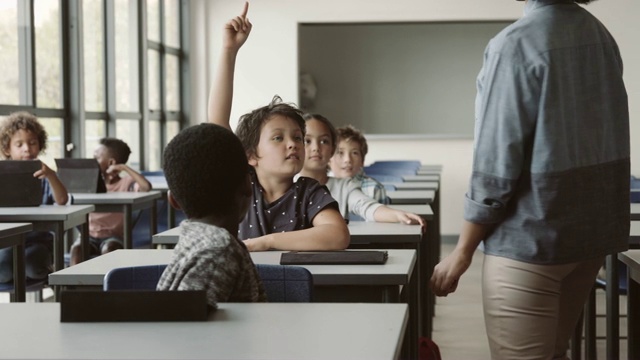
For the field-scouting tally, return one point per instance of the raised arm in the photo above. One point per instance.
(236, 32)
(329, 232)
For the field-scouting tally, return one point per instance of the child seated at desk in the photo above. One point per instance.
(106, 230)
(208, 177)
(22, 137)
(284, 214)
(320, 144)
(348, 161)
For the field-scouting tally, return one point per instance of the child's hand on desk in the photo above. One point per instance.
(411, 219)
(257, 244)
(237, 30)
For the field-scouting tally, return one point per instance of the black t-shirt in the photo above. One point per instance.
(295, 210)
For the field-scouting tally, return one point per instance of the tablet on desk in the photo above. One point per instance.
(334, 258)
(81, 175)
(18, 187)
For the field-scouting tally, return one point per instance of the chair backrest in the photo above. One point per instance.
(133, 278)
(286, 283)
(385, 179)
(372, 171)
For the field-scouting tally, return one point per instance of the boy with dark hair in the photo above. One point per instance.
(106, 230)
(208, 177)
(348, 162)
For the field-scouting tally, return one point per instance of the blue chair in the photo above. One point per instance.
(286, 283)
(133, 278)
(31, 285)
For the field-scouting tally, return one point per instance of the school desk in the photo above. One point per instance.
(635, 211)
(411, 196)
(632, 259)
(427, 172)
(234, 331)
(126, 203)
(12, 235)
(391, 282)
(56, 218)
(613, 294)
(407, 178)
(428, 258)
(414, 185)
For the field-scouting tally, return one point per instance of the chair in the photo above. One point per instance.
(133, 278)
(286, 283)
(34, 286)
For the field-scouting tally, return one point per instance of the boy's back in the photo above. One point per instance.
(208, 257)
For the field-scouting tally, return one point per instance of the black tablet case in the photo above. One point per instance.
(133, 305)
(333, 258)
(18, 187)
(81, 175)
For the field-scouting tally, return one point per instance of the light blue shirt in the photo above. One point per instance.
(551, 151)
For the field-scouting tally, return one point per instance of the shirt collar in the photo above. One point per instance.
(534, 4)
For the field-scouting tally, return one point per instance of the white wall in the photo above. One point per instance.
(268, 64)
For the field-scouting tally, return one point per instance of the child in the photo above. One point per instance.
(272, 137)
(106, 230)
(320, 140)
(208, 177)
(348, 162)
(22, 137)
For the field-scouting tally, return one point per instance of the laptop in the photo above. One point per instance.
(81, 175)
(18, 187)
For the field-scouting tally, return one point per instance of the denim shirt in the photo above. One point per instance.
(551, 152)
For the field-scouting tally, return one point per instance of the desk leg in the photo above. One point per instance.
(84, 239)
(128, 242)
(19, 277)
(613, 311)
(58, 255)
(153, 223)
(633, 317)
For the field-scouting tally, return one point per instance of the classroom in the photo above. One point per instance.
(142, 70)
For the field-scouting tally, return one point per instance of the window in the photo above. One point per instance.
(89, 69)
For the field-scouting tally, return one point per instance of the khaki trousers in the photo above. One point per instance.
(531, 310)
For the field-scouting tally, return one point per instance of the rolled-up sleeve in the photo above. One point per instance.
(505, 125)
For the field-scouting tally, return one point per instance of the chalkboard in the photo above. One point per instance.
(394, 78)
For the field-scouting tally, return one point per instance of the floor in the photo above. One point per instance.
(459, 326)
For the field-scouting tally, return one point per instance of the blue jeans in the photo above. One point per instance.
(38, 257)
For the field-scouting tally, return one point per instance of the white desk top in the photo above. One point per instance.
(421, 178)
(634, 232)
(411, 196)
(396, 271)
(632, 259)
(361, 233)
(635, 211)
(428, 172)
(158, 183)
(44, 212)
(116, 197)
(10, 229)
(423, 210)
(415, 185)
(234, 331)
